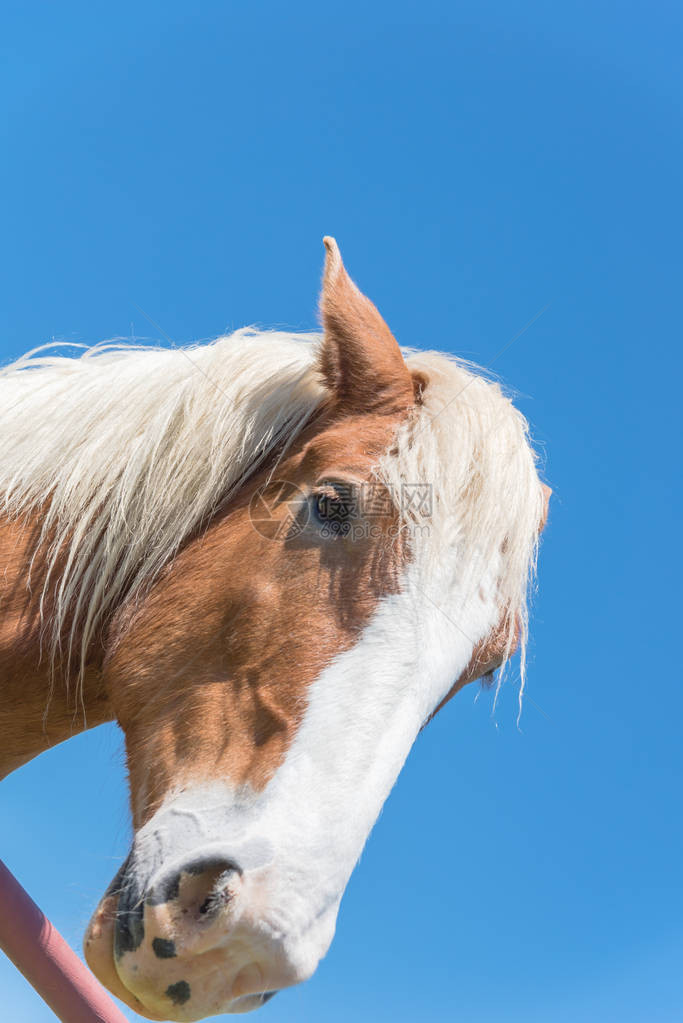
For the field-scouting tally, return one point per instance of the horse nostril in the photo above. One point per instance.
(214, 902)
(200, 889)
(218, 864)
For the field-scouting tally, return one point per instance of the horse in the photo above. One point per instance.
(271, 559)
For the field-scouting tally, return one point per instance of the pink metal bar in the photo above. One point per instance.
(48, 963)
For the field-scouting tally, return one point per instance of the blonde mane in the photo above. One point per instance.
(127, 451)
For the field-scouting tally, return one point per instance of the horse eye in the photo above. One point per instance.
(329, 509)
(333, 507)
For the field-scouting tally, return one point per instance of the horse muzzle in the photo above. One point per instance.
(192, 943)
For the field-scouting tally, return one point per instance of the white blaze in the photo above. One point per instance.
(298, 840)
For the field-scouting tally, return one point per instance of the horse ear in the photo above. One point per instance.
(359, 359)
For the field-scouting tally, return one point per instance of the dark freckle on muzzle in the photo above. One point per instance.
(163, 948)
(130, 927)
(178, 993)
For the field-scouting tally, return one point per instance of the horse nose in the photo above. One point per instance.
(188, 945)
(188, 900)
(179, 907)
(200, 888)
(197, 938)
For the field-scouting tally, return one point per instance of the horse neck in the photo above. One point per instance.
(38, 708)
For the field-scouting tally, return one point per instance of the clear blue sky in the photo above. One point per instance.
(476, 162)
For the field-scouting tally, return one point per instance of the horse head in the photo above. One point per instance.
(271, 681)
